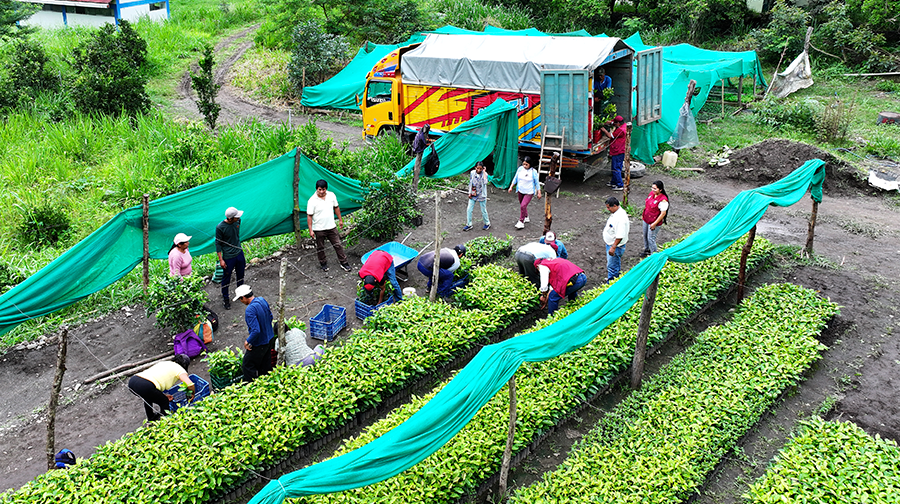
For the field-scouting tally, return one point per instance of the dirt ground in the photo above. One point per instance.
(855, 244)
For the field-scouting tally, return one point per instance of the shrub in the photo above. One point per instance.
(177, 301)
(796, 114)
(28, 69)
(887, 86)
(833, 122)
(316, 51)
(784, 34)
(11, 13)
(44, 225)
(108, 72)
(387, 208)
(856, 43)
(204, 84)
(190, 161)
(9, 278)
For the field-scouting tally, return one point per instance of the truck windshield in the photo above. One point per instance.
(378, 92)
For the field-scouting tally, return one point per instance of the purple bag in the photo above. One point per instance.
(189, 343)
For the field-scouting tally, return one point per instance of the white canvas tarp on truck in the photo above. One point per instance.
(512, 63)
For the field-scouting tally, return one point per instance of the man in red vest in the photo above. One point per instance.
(378, 267)
(559, 277)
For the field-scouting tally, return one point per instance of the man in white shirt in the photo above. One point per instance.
(320, 212)
(527, 254)
(615, 235)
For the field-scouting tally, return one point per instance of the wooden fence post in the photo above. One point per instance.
(54, 397)
(436, 268)
(297, 197)
(742, 272)
(507, 453)
(416, 168)
(282, 344)
(812, 228)
(640, 347)
(145, 224)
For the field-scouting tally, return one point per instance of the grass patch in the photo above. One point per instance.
(262, 75)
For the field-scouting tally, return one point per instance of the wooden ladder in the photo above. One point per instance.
(548, 150)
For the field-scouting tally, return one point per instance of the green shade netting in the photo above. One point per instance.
(495, 130)
(340, 91)
(264, 193)
(681, 63)
(455, 405)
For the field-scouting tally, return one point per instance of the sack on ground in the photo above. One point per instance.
(205, 331)
(189, 343)
(295, 347)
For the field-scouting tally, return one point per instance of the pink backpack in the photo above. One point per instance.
(189, 343)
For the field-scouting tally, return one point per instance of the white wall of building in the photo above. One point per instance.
(52, 19)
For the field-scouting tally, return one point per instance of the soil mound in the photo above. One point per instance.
(771, 160)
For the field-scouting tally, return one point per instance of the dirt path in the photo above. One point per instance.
(237, 108)
(856, 247)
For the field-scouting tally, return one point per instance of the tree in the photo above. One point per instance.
(204, 84)
(11, 13)
(315, 51)
(109, 72)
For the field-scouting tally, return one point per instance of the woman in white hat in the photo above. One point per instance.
(179, 257)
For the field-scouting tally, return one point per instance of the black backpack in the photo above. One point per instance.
(432, 164)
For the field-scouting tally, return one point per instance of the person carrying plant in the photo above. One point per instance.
(526, 256)
(559, 277)
(320, 212)
(478, 180)
(378, 269)
(550, 239)
(228, 248)
(150, 383)
(258, 345)
(601, 82)
(527, 186)
(447, 263)
(617, 148)
(615, 235)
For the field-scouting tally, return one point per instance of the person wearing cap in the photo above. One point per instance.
(447, 264)
(179, 256)
(379, 267)
(320, 212)
(527, 186)
(559, 277)
(550, 239)
(478, 180)
(527, 254)
(151, 384)
(617, 151)
(261, 335)
(228, 248)
(615, 235)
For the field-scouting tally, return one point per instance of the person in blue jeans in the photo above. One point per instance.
(447, 264)
(559, 277)
(615, 235)
(478, 180)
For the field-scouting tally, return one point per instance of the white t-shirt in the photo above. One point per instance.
(663, 206)
(538, 250)
(617, 226)
(322, 211)
(526, 180)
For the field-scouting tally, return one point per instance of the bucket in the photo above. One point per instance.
(669, 159)
(409, 292)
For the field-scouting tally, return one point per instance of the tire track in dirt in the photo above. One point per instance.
(237, 108)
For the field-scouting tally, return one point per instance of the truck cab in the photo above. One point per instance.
(380, 103)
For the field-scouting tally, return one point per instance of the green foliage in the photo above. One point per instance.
(784, 34)
(888, 86)
(708, 19)
(225, 363)
(177, 301)
(857, 43)
(109, 77)
(295, 323)
(387, 209)
(474, 15)
(317, 52)
(881, 15)
(9, 278)
(833, 122)
(789, 113)
(204, 84)
(11, 15)
(830, 462)
(378, 21)
(28, 69)
(44, 225)
(487, 248)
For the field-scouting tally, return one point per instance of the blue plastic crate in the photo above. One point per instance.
(363, 310)
(179, 398)
(328, 322)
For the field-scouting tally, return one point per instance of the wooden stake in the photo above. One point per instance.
(640, 348)
(128, 365)
(723, 97)
(626, 165)
(740, 91)
(507, 453)
(282, 342)
(145, 224)
(54, 398)
(742, 272)
(436, 268)
(812, 228)
(297, 197)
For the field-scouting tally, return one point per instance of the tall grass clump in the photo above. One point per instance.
(474, 15)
